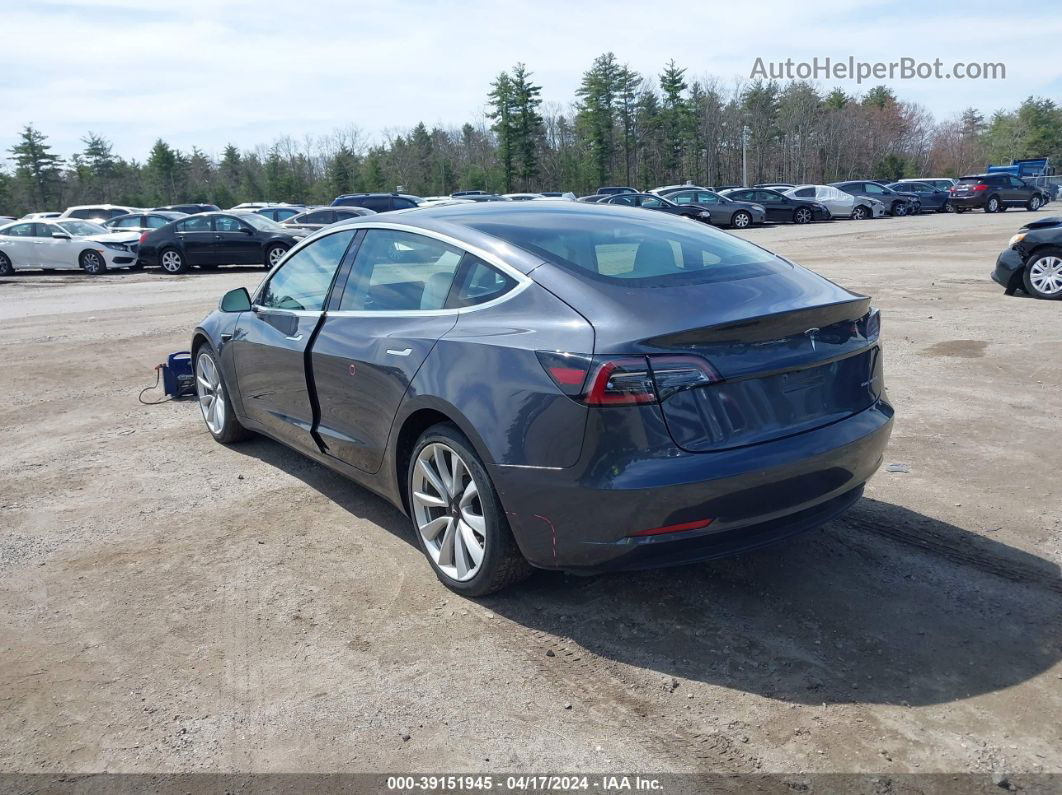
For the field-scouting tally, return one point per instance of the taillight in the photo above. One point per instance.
(871, 323)
(625, 380)
(621, 382)
(979, 187)
(142, 236)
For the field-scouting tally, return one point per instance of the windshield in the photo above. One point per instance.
(261, 222)
(83, 228)
(655, 250)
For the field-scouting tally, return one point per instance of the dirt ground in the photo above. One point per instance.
(169, 604)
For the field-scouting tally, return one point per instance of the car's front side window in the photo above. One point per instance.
(397, 271)
(302, 282)
(226, 223)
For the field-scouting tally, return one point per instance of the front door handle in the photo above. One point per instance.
(403, 352)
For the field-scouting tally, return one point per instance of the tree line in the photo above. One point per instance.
(622, 127)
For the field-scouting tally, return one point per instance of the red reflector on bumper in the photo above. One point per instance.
(673, 528)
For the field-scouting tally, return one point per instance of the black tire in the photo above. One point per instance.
(231, 430)
(993, 204)
(859, 213)
(898, 209)
(1032, 289)
(741, 220)
(173, 261)
(92, 263)
(960, 210)
(6, 268)
(1035, 203)
(502, 564)
(948, 208)
(274, 251)
(803, 215)
(136, 266)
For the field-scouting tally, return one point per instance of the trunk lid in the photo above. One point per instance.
(792, 349)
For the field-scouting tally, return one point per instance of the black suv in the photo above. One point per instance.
(377, 202)
(994, 193)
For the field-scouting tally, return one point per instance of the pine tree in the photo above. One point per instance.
(527, 124)
(596, 113)
(501, 113)
(674, 117)
(37, 167)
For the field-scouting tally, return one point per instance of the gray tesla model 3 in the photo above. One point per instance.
(557, 385)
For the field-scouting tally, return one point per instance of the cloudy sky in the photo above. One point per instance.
(206, 72)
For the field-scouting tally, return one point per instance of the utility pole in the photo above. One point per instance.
(744, 156)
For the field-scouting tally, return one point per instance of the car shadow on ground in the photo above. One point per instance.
(882, 605)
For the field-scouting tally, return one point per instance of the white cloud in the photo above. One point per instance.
(205, 72)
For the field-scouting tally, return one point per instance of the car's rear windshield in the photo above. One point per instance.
(968, 180)
(636, 247)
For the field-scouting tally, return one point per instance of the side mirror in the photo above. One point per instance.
(247, 230)
(60, 236)
(238, 300)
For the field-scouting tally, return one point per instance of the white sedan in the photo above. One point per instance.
(839, 203)
(67, 244)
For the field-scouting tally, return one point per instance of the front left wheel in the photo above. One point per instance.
(6, 268)
(458, 518)
(274, 254)
(802, 215)
(214, 401)
(1043, 274)
(92, 263)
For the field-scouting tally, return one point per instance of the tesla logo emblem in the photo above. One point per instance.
(353, 370)
(810, 334)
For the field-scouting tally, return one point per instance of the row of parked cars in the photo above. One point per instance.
(178, 237)
(739, 207)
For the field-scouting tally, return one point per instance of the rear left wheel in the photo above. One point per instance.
(92, 262)
(457, 517)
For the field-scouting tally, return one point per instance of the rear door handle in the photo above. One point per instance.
(403, 352)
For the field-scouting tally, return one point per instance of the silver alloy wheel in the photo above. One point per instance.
(91, 262)
(448, 512)
(1034, 203)
(993, 204)
(803, 216)
(171, 261)
(858, 214)
(1045, 274)
(276, 254)
(741, 220)
(211, 393)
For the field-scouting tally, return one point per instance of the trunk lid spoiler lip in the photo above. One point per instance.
(766, 328)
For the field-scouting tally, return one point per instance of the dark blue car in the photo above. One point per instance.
(561, 385)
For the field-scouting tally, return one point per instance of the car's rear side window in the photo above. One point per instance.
(400, 272)
(480, 283)
(643, 253)
(197, 223)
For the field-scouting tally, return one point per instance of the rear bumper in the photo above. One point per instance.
(1009, 266)
(582, 518)
(969, 202)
